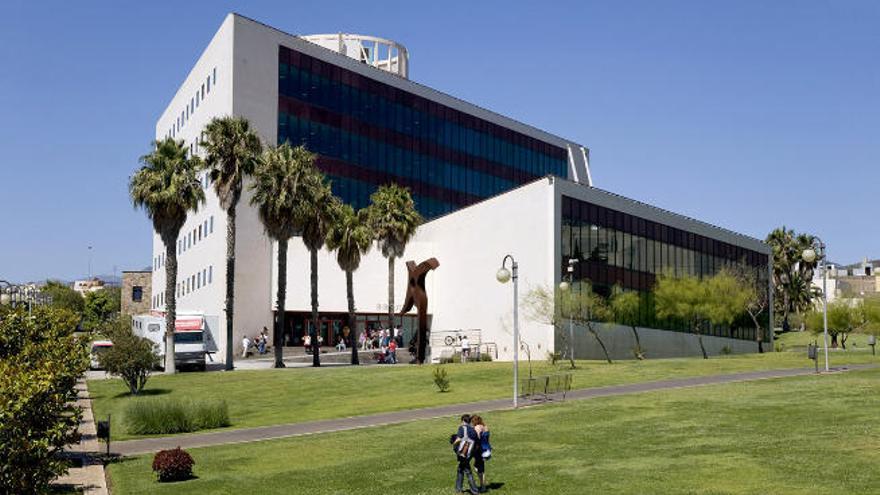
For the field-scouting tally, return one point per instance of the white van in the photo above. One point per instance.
(189, 337)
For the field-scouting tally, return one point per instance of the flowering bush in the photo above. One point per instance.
(173, 465)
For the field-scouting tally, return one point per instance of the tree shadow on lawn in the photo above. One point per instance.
(147, 392)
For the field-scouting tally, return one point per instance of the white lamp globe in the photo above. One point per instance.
(809, 255)
(502, 275)
(564, 286)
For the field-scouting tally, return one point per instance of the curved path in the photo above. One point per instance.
(220, 437)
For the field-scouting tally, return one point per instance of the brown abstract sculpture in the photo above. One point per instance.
(416, 296)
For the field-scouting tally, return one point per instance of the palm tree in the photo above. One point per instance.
(232, 150)
(167, 187)
(394, 220)
(351, 237)
(276, 193)
(314, 217)
(791, 273)
(781, 240)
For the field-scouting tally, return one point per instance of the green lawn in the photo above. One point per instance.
(266, 397)
(803, 435)
(791, 341)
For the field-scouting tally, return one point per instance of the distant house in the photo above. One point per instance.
(86, 286)
(850, 281)
(136, 292)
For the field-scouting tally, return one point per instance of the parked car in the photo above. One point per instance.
(98, 347)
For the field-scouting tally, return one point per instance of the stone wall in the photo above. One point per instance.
(130, 280)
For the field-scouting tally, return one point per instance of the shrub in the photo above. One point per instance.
(441, 379)
(726, 350)
(133, 358)
(173, 465)
(40, 362)
(553, 357)
(167, 416)
(485, 356)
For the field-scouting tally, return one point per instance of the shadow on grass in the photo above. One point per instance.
(182, 480)
(147, 392)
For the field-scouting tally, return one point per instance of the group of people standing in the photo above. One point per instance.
(471, 443)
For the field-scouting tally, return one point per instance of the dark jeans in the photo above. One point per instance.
(464, 468)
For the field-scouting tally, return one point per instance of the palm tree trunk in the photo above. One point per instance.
(316, 347)
(230, 282)
(278, 333)
(599, 340)
(170, 300)
(352, 327)
(391, 293)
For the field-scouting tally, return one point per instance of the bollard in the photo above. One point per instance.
(103, 432)
(872, 341)
(813, 353)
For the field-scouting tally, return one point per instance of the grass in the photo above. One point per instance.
(267, 397)
(164, 416)
(802, 435)
(791, 341)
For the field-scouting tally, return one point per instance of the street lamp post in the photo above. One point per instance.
(504, 275)
(809, 255)
(565, 286)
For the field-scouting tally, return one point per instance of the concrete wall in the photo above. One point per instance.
(470, 245)
(620, 341)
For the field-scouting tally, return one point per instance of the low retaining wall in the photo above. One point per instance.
(656, 343)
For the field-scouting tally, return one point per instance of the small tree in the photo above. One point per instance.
(624, 309)
(844, 318)
(579, 303)
(131, 357)
(63, 296)
(99, 307)
(755, 296)
(726, 298)
(40, 362)
(683, 298)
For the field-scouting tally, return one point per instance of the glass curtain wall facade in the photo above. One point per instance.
(368, 133)
(615, 248)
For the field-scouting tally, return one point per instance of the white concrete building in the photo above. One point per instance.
(488, 185)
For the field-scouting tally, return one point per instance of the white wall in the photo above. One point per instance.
(211, 250)
(470, 245)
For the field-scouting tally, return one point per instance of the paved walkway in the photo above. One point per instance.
(220, 437)
(89, 478)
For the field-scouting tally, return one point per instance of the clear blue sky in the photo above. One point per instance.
(747, 115)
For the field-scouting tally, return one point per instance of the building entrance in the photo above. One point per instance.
(331, 327)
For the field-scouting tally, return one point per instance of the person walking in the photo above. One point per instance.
(465, 349)
(483, 449)
(464, 445)
(245, 345)
(392, 351)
